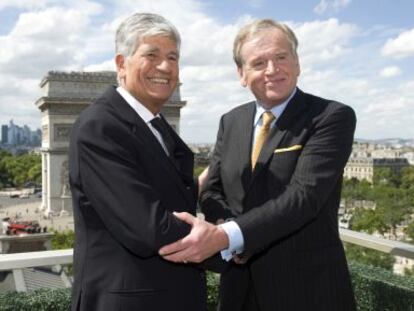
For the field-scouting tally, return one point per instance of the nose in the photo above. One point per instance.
(164, 65)
(271, 67)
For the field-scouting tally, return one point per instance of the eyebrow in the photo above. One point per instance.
(152, 49)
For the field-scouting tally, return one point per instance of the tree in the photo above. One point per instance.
(407, 177)
(18, 170)
(410, 231)
(386, 176)
(355, 189)
(369, 256)
(4, 175)
(63, 240)
(369, 221)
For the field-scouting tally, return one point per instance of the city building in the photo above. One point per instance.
(13, 135)
(364, 168)
(4, 134)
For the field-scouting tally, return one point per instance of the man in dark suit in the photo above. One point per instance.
(276, 176)
(129, 171)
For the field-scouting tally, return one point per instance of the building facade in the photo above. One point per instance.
(363, 167)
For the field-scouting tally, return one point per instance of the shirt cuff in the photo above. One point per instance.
(236, 240)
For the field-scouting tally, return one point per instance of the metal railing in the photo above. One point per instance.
(383, 245)
(35, 259)
(64, 257)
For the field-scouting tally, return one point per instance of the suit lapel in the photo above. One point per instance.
(245, 135)
(183, 156)
(152, 146)
(283, 125)
(158, 154)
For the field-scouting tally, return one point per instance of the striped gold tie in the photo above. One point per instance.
(267, 117)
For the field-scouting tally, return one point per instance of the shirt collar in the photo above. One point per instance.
(276, 110)
(139, 108)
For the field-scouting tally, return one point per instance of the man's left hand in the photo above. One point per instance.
(204, 240)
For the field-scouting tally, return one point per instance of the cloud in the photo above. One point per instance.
(323, 41)
(59, 38)
(400, 47)
(53, 38)
(325, 5)
(335, 62)
(108, 65)
(44, 40)
(390, 72)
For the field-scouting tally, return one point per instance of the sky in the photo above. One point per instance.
(360, 53)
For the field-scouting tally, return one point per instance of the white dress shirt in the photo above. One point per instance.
(232, 229)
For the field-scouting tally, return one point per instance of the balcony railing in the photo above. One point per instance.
(64, 257)
(369, 288)
(383, 245)
(35, 259)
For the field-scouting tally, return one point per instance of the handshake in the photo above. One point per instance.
(204, 241)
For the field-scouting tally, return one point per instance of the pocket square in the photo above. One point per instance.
(291, 148)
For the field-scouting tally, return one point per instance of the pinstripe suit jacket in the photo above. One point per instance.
(287, 207)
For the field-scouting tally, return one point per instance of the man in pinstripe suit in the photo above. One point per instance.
(281, 197)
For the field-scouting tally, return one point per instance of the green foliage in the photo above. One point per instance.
(40, 300)
(4, 176)
(409, 272)
(356, 190)
(15, 171)
(386, 176)
(394, 197)
(63, 240)
(410, 230)
(212, 290)
(368, 256)
(368, 221)
(407, 177)
(377, 289)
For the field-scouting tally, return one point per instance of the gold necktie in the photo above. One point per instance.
(267, 117)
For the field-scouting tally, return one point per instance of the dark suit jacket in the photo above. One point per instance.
(287, 207)
(124, 188)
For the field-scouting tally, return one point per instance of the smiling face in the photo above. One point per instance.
(270, 69)
(151, 73)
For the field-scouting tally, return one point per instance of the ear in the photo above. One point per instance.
(242, 76)
(120, 65)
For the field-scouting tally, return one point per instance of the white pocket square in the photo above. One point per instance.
(291, 148)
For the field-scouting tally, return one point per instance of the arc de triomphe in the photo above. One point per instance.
(65, 95)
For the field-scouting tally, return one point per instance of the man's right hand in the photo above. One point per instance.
(204, 240)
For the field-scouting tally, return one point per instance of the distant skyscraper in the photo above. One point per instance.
(4, 133)
(14, 135)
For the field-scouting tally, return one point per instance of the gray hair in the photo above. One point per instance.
(141, 25)
(251, 30)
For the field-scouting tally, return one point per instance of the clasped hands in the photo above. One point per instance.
(204, 240)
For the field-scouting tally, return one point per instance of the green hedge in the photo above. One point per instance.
(40, 300)
(379, 289)
(375, 289)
